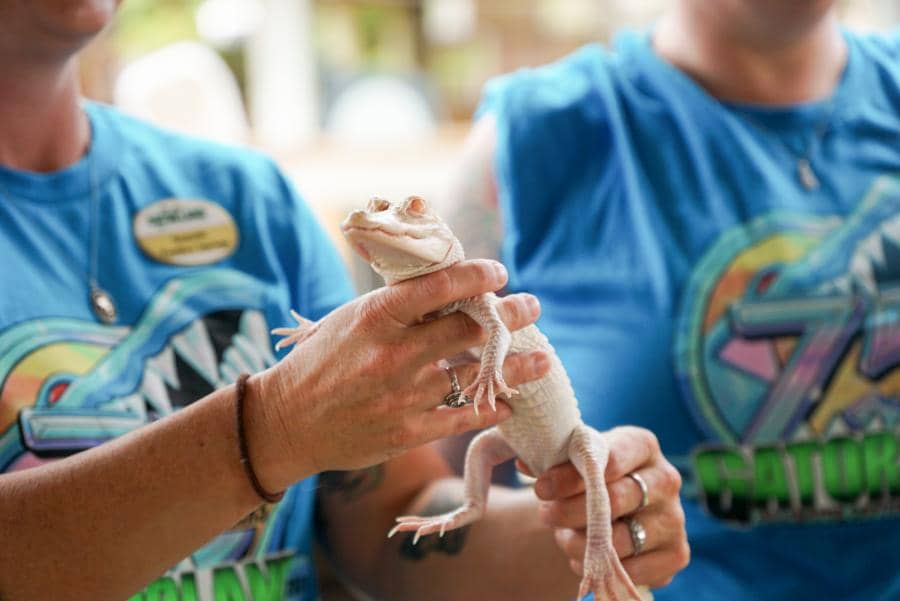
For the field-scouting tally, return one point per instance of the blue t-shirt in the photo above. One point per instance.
(203, 248)
(693, 284)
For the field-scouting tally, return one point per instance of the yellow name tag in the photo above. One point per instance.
(186, 232)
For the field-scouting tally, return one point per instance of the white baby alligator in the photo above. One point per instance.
(407, 240)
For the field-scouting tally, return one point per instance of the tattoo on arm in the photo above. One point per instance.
(347, 487)
(251, 520)
(451, 543)
(350, 486)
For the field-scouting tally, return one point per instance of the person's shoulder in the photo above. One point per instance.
(147, 145)
(559, 86)
(874, 65)
(569, 103)
(883, 47)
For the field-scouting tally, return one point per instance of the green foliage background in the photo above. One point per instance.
(145, 25)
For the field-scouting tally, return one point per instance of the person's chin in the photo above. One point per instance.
(77, 20)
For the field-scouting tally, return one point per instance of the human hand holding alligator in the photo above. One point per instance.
(364, 384)
(406, 241)
(633, 451)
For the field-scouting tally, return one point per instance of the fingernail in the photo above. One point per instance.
(540, 362)
(544, 514)
(561, 535)
(534, 305)
(544, 489)
(500, 270)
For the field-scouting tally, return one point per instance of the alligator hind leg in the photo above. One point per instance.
(486, 451)
(489, 384)
(603, 573)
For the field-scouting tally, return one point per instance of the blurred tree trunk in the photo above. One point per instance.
(420, 44)
(282, 81)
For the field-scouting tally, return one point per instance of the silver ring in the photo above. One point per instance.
(455, 397)
(638, 535)
(645, 495)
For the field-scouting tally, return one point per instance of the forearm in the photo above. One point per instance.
(106, 521)
(471, 196)
(508, 554)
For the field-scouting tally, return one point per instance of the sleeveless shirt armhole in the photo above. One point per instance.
(550, 121)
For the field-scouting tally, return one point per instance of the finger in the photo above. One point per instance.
(519, 310)
(657, 568)
(409, 301)
(524, 469)
(654, 569)
(663, 484)
(454, 333)
(577, 566)
(559, 482)
(630, 448)
(443, 421)
(664, 527)
(518, 368)
(572, 542)
(565, 513)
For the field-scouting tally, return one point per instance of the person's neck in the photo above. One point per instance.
(739, 59)
(42, 125)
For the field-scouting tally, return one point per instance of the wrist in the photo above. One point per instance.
(269, 434)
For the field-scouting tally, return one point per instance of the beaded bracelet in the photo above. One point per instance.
(266, 496)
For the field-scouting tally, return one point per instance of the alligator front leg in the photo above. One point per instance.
(296, 335)
(489, 382)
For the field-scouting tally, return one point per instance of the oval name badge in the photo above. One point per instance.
(185, 231)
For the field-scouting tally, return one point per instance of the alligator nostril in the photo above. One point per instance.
(354, 219)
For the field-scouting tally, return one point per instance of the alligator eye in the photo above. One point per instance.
(416, 206)
(376, 205)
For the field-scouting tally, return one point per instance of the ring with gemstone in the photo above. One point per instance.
(638, 535)
(455, 397)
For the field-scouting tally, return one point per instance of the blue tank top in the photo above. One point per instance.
(695, 280)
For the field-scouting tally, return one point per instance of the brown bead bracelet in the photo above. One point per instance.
(265, 495)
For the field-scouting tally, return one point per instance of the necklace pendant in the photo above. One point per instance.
(807, 175)
(103, 306)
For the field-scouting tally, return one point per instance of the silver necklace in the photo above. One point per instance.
(101, 302)
(803, 164)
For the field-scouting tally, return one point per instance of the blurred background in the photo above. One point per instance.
(352, 97)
